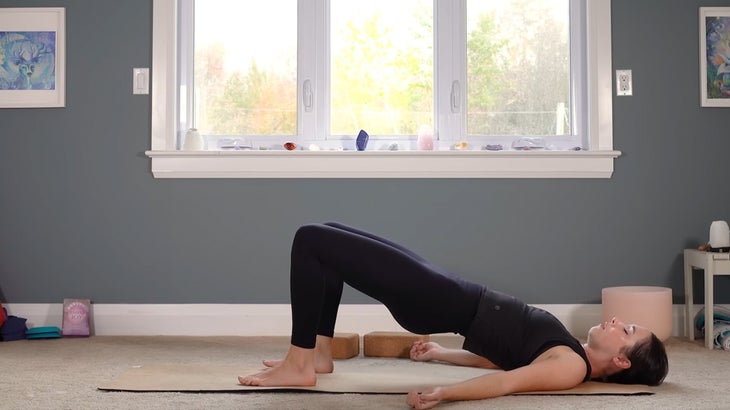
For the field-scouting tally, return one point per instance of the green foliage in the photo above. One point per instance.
(517, 77)
(381, 86)
(484, 73)
(257, 102)
(520, 74)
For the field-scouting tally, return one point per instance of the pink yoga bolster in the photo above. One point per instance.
(648, 306)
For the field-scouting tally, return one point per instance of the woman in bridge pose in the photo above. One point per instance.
(533, 348)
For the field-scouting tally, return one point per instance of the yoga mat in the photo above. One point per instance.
(381, 377)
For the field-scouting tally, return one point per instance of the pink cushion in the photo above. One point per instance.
(648, 306)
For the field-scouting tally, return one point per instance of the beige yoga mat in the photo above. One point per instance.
(379, 377)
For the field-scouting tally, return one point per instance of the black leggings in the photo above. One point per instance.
(422, 298)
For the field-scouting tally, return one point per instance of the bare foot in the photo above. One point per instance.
(297, 369)
(322, 364)
(322, 356)
(283, 375)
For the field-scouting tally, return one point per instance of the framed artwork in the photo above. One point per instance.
(715, 56)
(32, 57)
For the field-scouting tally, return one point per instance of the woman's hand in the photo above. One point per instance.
(425, 399)
(424, 352)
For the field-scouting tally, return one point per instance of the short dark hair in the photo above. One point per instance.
(649, 364)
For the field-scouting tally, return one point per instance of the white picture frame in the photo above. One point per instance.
(715, 56)
(32, 57)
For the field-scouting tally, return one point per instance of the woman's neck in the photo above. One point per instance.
(600, 362)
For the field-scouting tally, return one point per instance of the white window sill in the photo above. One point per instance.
(382, 164)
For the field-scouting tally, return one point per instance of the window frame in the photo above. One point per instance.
(169, 162)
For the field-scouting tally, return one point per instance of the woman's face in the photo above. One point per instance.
(614, 335)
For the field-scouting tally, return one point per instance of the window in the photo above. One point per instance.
(238, 84)
(471, 73)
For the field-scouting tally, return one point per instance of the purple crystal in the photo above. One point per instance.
(362, 140)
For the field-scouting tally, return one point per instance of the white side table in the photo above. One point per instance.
(713, 264)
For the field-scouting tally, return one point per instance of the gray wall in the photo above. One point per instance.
(81, 215)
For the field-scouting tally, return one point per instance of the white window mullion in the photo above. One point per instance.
(323, 69)
(578, 79)
(186, 68)
(450, 70)
(307, 94)
(313, 70)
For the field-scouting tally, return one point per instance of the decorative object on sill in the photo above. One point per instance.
(235, 144)
(493, 147)
(719, 237)
(314, 147)
(76, 317)
(393, 146)
(460, 146)
(290, 146)
(425, 138)
(528, 143)
(362, 140)
(193, 140)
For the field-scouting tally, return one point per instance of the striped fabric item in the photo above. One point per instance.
(720, 329)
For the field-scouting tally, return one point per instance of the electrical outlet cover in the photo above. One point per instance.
(624, 85)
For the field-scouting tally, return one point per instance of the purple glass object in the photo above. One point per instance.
(362, 140)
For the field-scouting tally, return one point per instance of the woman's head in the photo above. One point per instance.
(632, 353)
(649, 363)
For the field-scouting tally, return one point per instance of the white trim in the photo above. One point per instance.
(600, 80)
(168, 163)
(391, 164)
(263, 320)
(164, 74)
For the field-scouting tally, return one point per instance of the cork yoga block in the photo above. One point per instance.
(345, 345)
(390, 344)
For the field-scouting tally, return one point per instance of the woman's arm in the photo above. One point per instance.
(559, 372)
(424, 352)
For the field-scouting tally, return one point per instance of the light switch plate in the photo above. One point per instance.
(140, 81)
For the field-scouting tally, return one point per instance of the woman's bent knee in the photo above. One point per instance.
(309, 232)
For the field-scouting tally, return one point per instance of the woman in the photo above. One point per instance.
(501, 332)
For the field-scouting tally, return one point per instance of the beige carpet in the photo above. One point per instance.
(385, 376)
(65, 374)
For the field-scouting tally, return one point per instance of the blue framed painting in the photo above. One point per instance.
(32, 57)
(715, 56)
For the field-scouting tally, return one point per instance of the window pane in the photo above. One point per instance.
(382, 66)
(245, 67)
(518, 67)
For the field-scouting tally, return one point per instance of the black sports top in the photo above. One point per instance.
(512, 334)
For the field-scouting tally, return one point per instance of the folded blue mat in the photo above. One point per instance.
(43, 332)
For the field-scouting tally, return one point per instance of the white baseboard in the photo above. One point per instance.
(261, 320)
